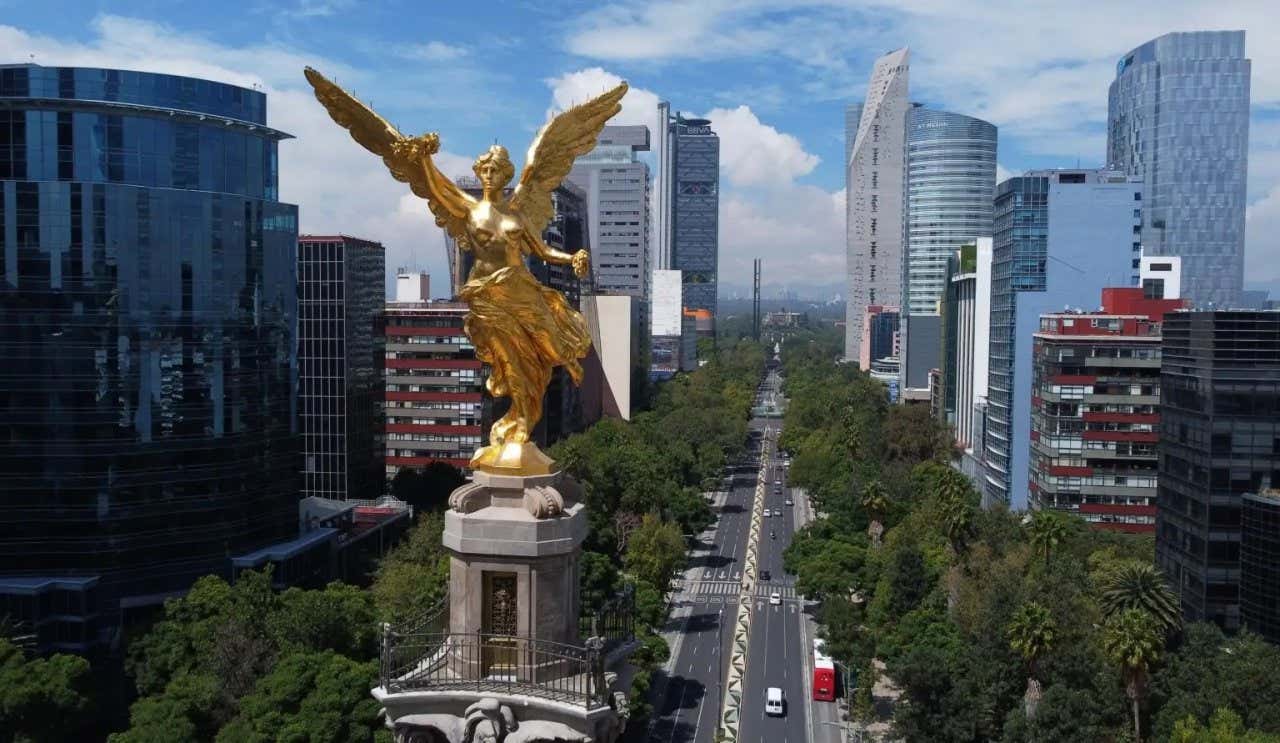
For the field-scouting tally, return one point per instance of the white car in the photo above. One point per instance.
(775, 599)
(789, 502)
(766, 513)
(773, 703)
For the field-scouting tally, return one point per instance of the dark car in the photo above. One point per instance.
(764, 575)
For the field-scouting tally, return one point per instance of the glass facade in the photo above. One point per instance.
(1019, 249)
(951, 176)
(1219, 441)
(1178, 115)
(695, 220)
(149, 305)
(342, 351)
(1260, 564)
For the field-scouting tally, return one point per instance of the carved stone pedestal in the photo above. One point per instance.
(514, 545)
(512, 666)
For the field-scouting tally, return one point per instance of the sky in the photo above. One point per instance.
(773, 77)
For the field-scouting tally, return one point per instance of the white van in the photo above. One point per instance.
(773, 702)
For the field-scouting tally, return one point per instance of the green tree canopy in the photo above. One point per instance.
(41, 699)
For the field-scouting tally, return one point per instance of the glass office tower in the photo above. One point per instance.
(148, 299)
(1178, 115)
(951, 178)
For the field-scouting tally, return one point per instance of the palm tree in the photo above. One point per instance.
(1048, 530)
(1032, 633)
(1133, 641)
(1140, 585)
(958, 510)
(876, 503)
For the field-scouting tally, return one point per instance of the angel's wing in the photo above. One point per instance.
(553, 151)
(448, 203)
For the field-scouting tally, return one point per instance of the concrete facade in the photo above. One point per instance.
(616, 185)
(875, 184)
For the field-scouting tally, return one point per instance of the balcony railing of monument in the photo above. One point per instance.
(425, 656)
(494, 664)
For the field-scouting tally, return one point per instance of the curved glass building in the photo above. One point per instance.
(951, 178)
(148, 304)
(1178, 115)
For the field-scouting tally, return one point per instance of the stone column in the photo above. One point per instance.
(531, 527)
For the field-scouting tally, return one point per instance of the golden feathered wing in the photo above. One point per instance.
(567, 136)
(448, 203)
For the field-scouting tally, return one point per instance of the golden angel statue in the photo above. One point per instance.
(520, 327)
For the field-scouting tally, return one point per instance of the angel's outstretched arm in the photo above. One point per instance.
(546, 252)
(440, 189)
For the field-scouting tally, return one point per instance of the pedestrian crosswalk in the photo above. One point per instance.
(733, 588)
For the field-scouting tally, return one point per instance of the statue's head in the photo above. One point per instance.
(494, 168)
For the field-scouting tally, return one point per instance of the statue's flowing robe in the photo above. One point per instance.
(523, 329)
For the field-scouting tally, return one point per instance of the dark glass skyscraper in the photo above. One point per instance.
(341, 282)
(1219, 441)
(1178, 115)
(148, 303)
(689, 210)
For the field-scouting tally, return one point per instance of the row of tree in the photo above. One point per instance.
(643, 484)
(994, 625)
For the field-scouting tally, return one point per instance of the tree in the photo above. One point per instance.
(598, 581)
(1133, 642)
(958, 514)
(341, 618)
(876, 503)
(1047, 530)
(427, 489)
(414, 577)
(42, 699)
(1137, 585)
(314, 697)
(1225, 726)
(654, 552)
(1032, 633)
(190, 709)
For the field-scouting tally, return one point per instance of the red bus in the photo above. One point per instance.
(824, 675)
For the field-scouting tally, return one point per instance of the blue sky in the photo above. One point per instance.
(773, 76)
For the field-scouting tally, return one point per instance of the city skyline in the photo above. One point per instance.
(780, 123)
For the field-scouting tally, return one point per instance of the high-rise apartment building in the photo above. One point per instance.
(689, 206)
(435, 408)
(951, 178)
(876, 190)
(1095, 410)
(1219, 440)
(1061, 236)
(148, 295)
(616, 185)
(1178, 116)
(341, 294)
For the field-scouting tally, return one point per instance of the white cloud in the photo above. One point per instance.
(639, 106)
(337, 185)
(1040, 73)
(1003, 173)
(754, 153)
(764, 213)
(433, 51)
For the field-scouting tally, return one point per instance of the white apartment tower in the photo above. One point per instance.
(875, 184)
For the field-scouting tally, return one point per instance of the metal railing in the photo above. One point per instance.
(423, 655)
(489, 664)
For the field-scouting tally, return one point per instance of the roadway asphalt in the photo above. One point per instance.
(688, 692)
